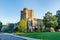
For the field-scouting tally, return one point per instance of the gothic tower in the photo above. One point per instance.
(28, 16)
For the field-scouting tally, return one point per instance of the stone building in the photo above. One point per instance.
(28, 16)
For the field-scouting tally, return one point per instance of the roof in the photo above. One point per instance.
(37, 19)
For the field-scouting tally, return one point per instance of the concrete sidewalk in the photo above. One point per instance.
(13, 37)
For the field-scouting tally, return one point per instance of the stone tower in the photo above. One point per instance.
(28, 16)
(26, 13)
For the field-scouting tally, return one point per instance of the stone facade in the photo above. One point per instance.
(28, 16)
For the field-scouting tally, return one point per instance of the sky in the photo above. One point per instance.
(10, 9)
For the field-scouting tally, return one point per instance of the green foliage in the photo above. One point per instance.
(55, 23)
(10, 27)
(1, 26)
(22, 25)
(49, 20)
(41, 26)
(58, 16)
(4, 28)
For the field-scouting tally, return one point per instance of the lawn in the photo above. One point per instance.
(43, 35)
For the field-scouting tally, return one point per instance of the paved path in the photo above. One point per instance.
(14, 37)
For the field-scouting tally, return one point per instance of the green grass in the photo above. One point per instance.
(43, 35)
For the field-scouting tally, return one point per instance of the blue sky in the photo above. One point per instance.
(10, 9)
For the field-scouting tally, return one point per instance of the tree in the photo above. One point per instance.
(55, 23)
(50, 21)
(10, 27)
(58, 16)
(41, 27)
(0, 26)
(16, 29)
(4, 28)
(22, 25)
